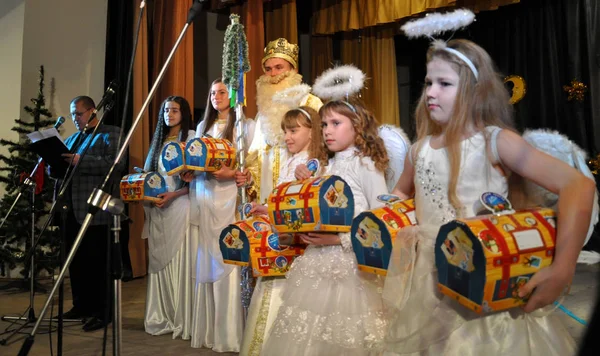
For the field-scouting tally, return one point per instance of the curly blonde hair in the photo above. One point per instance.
(367, 139)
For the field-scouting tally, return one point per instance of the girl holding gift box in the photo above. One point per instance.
(329, 307)
(166, 227)
(217, 310)
(302, 136)
(467, 146)
(299, 125)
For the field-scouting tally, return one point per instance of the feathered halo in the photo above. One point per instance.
(436, 23)
(339, 83)
(292, 96)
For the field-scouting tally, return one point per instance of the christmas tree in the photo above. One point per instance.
(15, 234)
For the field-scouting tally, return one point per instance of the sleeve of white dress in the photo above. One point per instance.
(373, 185)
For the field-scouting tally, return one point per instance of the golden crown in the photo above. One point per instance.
(281, 48)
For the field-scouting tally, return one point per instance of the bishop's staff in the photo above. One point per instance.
(235, 66)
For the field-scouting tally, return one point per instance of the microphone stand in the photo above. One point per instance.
(30, 318)
(104, 201)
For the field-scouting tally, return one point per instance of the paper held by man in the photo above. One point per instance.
(49, 145)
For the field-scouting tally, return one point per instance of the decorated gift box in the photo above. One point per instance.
(142, 186)
(272, 254)
(314, 204)
(199, 154)
(482, 261)
(173, 157)
(373, 232)
(234, 241)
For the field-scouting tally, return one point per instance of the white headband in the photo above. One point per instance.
(305, 113)
(464, 59)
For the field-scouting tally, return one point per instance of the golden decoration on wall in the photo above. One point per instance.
(519, 88)
(595, 164)
(576, 90)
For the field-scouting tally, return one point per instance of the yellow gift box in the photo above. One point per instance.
(234, 241)
(373, 234)
(199, 154)
(482, 261)
(142, 186)
(314, 204)
(269, 256)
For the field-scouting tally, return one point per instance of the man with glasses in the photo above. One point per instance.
(88, 270)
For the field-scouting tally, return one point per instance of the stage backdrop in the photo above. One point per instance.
(67, 37)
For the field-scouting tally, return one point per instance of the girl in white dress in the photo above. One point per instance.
(170, 286)
(329, 306)
(217, 310)
(466, 146)
(302, 135)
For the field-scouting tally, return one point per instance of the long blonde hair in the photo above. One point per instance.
(479, 102)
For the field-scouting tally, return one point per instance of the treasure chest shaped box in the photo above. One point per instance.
(199, 154)
(373, 234)
(482, 261)
(209, 154)
(142, 186)
(314, 204)
(234, 241)
(272, 254)
(173, 157)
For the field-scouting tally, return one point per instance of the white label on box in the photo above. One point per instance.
(411, 216)
(528, 239)
(294, 189)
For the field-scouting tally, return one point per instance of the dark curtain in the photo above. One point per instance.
(119, 43)
(548, 43)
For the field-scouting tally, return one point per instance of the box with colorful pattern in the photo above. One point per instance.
(272, 254)
(234, 241)
(314, 204)
(482, 261)
(374, 232)
(199, 154)
(142, 186)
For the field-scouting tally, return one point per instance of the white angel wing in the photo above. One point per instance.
(558, 146)
(397, 145)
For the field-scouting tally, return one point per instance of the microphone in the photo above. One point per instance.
(197, 7)
(59, 121)
(108, 94)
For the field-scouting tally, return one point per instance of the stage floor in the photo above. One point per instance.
(136, 342)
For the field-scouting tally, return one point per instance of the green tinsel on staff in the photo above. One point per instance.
(235, 64)
(235, 58)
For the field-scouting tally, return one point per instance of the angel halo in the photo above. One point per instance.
(293, 96)
(435, 24)
(339, 83)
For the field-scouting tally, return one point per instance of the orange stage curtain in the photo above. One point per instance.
(372, 50)
(163, 22)
(281, 20)
(251, 14)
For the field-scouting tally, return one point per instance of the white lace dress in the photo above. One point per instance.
(266, 298)
(422, 320)
(329, 307)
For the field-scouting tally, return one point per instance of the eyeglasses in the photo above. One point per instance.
(79, 114)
